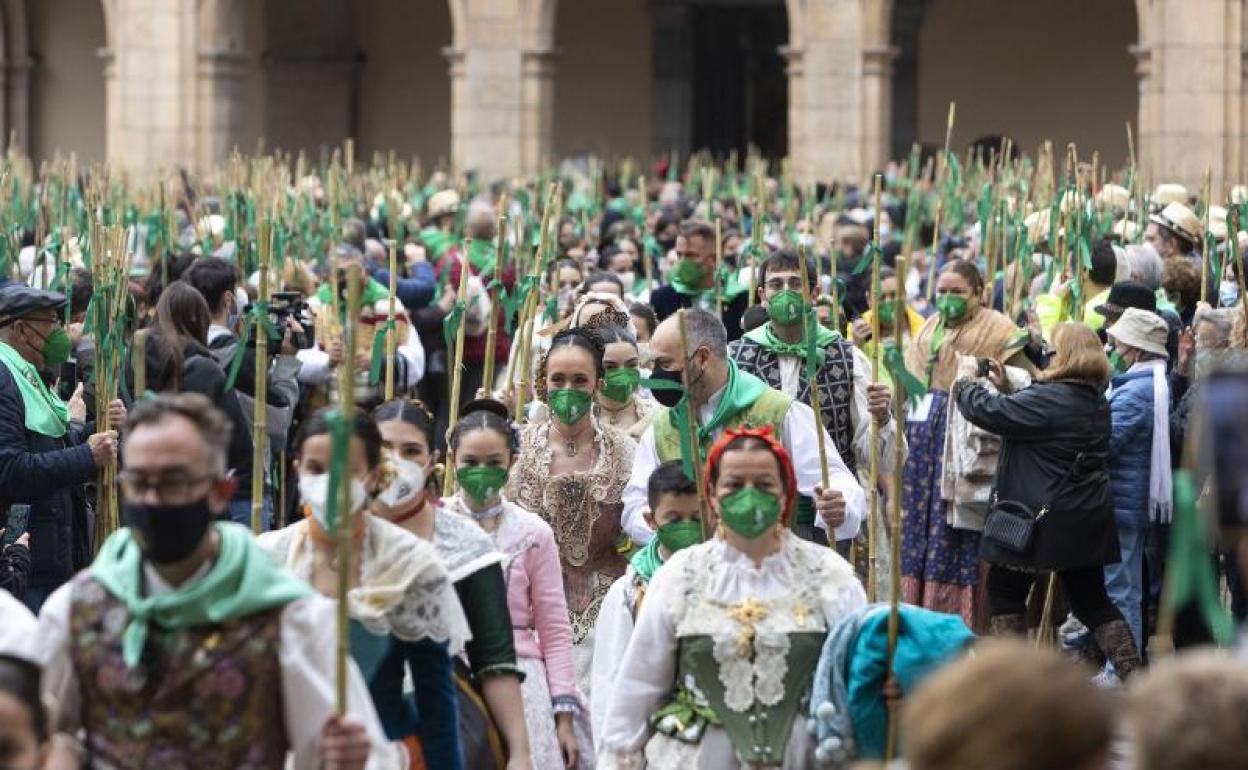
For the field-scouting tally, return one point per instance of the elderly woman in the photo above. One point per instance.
(1054, 459)
(730, 631)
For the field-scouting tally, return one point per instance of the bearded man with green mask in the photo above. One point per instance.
(44, 461)
(776, 353)
(692, 283)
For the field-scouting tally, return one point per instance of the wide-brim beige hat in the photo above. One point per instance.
(1180, 220)
(1217, 223)
(1141, 330)
(443, 202)
(1167, 193)
(1115, 196)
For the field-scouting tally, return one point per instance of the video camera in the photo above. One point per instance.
(290, 304)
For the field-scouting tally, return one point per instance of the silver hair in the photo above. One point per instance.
(1144, 265)
(1222, 319)
(705, 330)
(481, 221)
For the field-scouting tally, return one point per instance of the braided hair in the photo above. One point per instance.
(576, 337)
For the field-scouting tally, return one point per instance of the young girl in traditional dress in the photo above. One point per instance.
(405, 617)
(476, 568)
(482, 450)
(728, 636)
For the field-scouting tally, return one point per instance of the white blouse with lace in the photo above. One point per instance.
(748, 611)
(404, 589)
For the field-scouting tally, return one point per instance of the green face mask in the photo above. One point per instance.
(887, 308)
(676, 535)
(951, 307)
(785, 308)
(688, 272)
(749, 511)
(620, 384)
(482, 482)
(56, 348)
(568, 404)
(1116, 361)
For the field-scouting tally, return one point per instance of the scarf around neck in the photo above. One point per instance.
(739, 394)
(766, 336)
(647, 561)
(242, 581)
(45, 412)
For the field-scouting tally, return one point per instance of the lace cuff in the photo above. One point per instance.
(621, 760)
(565, 703)
(501, 669)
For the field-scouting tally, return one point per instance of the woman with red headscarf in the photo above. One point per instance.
(727, 640)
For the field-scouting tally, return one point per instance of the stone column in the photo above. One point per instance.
(828, 125)
(797, 138)
(151, 83)
(15, 101)
(502, 87)
(671, 94)
(877, 89)
(538, 108)
(1196, 60)
(219, 125)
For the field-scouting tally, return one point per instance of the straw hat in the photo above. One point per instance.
(1114, 196)
(1037, 224)
(443, 202)
(1141, 330)
(1239, 193)
(1180, 220)
(1167, 193)
(1126, 230)
(1217, 222)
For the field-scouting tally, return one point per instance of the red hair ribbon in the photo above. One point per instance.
(766, 435)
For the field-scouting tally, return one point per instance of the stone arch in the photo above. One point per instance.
(1098, 91)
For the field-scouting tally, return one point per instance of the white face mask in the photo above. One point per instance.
(407, 486)
(314, 492)
(628, 279)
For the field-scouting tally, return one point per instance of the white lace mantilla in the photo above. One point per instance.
(404, 589)
(750, 611)
(463, 547)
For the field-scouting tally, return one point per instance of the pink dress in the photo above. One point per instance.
(541, 628)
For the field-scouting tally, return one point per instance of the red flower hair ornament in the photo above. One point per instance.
(767, 436)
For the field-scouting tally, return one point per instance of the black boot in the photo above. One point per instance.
(1116, 641)
(1013, 624)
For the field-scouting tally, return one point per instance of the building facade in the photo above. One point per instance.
(505, 86)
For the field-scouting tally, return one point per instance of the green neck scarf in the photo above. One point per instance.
(371, 293)
(243, 581)
(766, 336)
(742, 390)
(647, 561)
(45, 412)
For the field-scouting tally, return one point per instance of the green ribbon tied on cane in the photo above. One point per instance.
(450, 324)
(257, 314)
(515, 299)
(1190, 573)
(340, 441)
(869, 255)
(378, 359)
(895, 363)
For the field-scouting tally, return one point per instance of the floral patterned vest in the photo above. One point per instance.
(204, 697)
(836, 386)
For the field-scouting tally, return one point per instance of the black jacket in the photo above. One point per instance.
(1044, 428)
(48, 474)
(666, 300)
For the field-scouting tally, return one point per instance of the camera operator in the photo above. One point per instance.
(320, 362)
(218, 281)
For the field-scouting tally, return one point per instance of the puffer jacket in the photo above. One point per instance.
(1130, 446)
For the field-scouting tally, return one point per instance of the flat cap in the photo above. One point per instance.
(17, 300)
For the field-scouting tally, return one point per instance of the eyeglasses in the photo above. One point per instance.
(174, 486)
(780, 284)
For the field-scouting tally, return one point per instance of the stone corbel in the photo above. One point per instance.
(792, 60)
(455, 60)
(539, 62)
(877, 60)
(222, 62)
(1143, 60)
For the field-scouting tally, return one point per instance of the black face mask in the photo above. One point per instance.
(667, 244)
(668, 397)
(168, 533)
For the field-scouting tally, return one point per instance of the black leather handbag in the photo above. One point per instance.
(1012, 525)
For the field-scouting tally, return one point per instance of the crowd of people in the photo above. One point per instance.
(708, 470)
